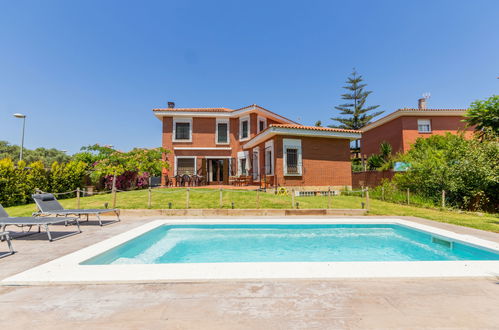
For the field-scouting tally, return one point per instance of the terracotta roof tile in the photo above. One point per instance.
(315, 128)
(423, 110)
(220, 110)
(195, 109)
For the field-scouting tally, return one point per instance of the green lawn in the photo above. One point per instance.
(210, 198)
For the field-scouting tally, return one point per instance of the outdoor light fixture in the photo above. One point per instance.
(23, 117)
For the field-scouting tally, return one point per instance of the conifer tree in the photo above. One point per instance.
(355, 113)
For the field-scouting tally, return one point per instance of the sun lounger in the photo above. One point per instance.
(49, 205)
(4, 236)
(44, 222)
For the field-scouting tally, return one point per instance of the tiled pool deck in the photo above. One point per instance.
(288, 304)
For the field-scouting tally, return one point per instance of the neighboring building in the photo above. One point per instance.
(402, 127)
(253, 142)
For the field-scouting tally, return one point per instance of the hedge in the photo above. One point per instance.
(19, 181)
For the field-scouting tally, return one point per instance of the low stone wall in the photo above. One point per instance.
(237, 212)
(370, 178)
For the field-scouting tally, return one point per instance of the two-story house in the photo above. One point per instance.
(402, 127)
(219, 143)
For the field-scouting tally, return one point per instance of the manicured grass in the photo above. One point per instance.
(210, 198)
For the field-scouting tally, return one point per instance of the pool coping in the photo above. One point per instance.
(66, 269)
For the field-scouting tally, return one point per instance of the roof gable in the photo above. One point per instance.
(225, 112)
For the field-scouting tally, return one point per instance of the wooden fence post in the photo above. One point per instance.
(293, 198)
(367, 199)
(149, 197)
(221, 198)
(329, 197)
(114, 191)
(188, 197)
(77, 198)
(443, 199)
(408, 196)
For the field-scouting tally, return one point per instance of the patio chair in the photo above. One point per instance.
(168, 181)
(178, 180)
(44, 222)
(186, 179)
(4, 236)
(197, 180)
(48, 205)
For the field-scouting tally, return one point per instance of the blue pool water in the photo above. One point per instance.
(287, 243)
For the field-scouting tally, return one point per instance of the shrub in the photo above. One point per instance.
(468, 170)
(18, 181)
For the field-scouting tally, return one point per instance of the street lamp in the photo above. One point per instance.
(23, 117)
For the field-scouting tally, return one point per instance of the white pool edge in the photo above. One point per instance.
(67, 269)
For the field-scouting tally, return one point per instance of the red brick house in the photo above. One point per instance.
(265, 148)
(402, 127)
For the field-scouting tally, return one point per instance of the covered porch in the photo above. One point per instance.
(243, 171)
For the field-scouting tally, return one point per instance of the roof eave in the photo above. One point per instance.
(272, 131)
(412, 112)
(231, 114)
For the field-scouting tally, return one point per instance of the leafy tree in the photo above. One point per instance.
(357, 114)
(484, 115)
(318, 123)
(46, 156)
(116, 163)
(93, 153)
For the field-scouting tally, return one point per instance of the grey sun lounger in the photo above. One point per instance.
(4, 236)
(49, 205)
(44, 222)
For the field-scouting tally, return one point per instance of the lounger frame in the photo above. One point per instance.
(4, 236)
(40, 222)
(68, 212)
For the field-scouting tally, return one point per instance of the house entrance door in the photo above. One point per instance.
(218, 171)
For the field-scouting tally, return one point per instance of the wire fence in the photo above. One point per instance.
(212, 198)
(222, 198)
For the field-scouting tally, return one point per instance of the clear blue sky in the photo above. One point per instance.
(89, 72)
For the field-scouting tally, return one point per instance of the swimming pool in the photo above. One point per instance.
(252, 248)
(287, 243)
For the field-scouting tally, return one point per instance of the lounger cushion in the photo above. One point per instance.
(47, 203)
(45, 197)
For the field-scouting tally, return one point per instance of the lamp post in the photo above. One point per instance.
(23, 117)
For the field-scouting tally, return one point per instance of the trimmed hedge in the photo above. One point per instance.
(19, 181)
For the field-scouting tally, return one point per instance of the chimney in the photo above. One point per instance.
(171, 105)
(422, 103)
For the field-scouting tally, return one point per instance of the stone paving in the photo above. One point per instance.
(471, 303)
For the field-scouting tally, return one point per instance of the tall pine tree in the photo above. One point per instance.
(356, 113)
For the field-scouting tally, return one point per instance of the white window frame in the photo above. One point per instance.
(195, 163)
(292, 144)
(256, 171)
(260, 119)
(269, 145)
(424, 122)
(181, 120)
(241, 120)
(222, 121)
(243, 155)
